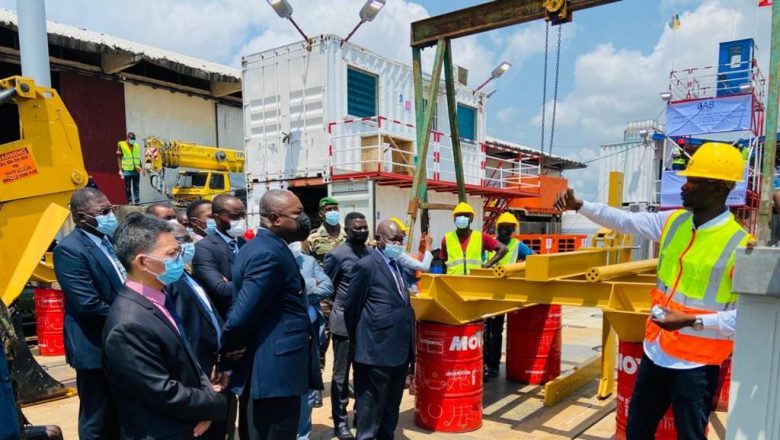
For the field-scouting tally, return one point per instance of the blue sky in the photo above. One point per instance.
(615, 59)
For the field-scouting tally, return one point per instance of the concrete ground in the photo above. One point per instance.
(511, 410)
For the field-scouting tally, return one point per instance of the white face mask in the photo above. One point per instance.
(295, 248)
(237, 228)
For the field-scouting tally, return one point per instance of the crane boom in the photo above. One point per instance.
(175, 154)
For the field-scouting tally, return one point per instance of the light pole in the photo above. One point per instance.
(284, 10)
(496, 73)
(368, 12)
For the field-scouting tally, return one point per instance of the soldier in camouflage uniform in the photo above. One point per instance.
(321, 241)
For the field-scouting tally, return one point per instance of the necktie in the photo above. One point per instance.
(110, 248)
(399, 281)
(233, 245)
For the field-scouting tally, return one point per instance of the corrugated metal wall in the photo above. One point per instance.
(170, 116)
(98, 107)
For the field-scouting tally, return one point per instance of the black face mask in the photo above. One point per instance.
(358, 238)
(505, 233)
(304, 226)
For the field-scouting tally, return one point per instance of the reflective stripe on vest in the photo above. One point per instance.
(457, 262)
(511, 255)
(130, 159)
(694, 270)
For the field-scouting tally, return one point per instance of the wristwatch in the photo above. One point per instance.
(698, 323)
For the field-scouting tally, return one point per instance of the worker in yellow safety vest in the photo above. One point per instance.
(506, 226)
(462, 248)
(128, 156)
(690, 330)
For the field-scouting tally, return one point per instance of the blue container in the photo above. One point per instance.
(735, 60)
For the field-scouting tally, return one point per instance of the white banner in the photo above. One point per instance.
(714, 115)
(671, 185)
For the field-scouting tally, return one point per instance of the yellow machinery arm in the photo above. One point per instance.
(174, 154)
(38, 173)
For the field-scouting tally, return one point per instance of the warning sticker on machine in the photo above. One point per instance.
(17, 164)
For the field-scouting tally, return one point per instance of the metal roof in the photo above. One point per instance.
(548, 161)
(90, 41)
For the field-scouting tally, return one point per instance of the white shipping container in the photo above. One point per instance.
(295, 108)
(297, 126)
(638, 162)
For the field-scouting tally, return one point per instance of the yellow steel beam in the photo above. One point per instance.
(615, 191)
(601, 273)
(560, 387)
(514, 269)
(608, 354)
(550, 266)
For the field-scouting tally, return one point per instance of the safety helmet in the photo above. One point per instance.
(716, 160)
(400, 224)
(463, 208)
(507, 218)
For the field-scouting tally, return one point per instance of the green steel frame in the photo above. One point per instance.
(439, 31)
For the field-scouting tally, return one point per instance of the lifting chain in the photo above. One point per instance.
(555, 88)
(544, 81)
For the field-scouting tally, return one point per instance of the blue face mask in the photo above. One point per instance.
(106, 224)
(462, 222)
(332, 217)
(174, 269)
(187, 252)
(393, 251)
(211, 226)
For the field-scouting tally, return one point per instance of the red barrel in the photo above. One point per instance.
(533, 344)
(448, 376)
(629, 357)
(49, 316)
(721, 402)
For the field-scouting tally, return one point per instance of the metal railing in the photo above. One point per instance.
(708, 82)
(381, 145)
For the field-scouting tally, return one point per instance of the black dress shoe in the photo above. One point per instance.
(317, 399)
(492, 372)
(343, 433)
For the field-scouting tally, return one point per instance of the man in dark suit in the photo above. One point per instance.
(202, 325)
(338, 265)
(380, 322)
(212, 266)
(270, 318)
(90, 276)
(159, 387)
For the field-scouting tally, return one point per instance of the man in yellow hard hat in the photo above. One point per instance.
(462, 248)
(506, 225)
(690, 330)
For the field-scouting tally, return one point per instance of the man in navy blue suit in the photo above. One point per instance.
(380, 322)
(269, 316)
(90, 276)
(212, 266)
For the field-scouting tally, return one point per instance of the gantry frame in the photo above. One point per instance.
(439, 31)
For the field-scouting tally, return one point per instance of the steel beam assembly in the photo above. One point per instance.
(581, 279)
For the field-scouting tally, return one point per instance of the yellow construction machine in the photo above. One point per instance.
(38, 173)
(210, 166)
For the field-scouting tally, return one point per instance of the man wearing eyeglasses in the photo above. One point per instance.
(90, 276)
(160, 389)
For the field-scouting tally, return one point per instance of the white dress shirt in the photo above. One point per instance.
(409, 262)
(205, 301)
(650, 225)
(114, 262)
